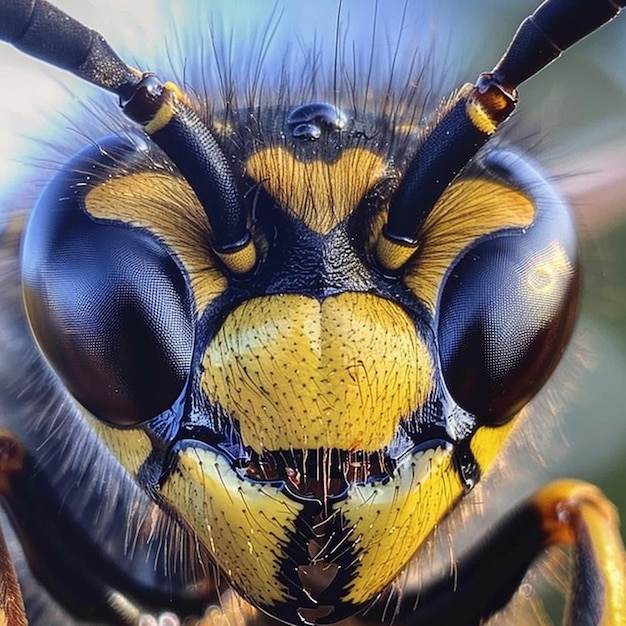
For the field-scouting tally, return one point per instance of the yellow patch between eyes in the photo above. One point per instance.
(300, 374)
(245, 526)
(167, 207)
(320, 194)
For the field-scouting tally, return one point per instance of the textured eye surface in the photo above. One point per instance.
(508, 306)
(108, 305)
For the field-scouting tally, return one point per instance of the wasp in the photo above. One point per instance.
(272, 335)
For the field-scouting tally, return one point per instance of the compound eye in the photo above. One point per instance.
(108, 305)
(508, 307)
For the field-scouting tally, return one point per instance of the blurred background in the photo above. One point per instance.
(572, 118)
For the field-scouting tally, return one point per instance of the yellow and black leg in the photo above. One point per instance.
(577, 514)
(566, 513)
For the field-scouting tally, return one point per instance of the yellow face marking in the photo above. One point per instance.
(320, 194)
(130, 446)
(300, 374)
(167, 207)
(487, 442)
(245, 526)
(390, 521)
(466, 211)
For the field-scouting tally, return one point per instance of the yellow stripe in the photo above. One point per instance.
(487, 442)
(480, 118)
(467, 210)
(179, 94)
(130, 446)
(166, 111)
(389, 522)
(166, 206)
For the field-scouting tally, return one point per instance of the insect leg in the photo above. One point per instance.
(577, 514)
(567, 512)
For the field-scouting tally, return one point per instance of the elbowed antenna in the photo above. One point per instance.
(542, 37)
(43, 31)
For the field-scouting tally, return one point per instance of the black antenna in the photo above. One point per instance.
(43, 31)
(480, 109)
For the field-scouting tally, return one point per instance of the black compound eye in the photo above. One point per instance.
(108, 305)
(508, 306)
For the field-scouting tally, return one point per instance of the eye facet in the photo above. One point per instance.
(508, 306)
(109, 306)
